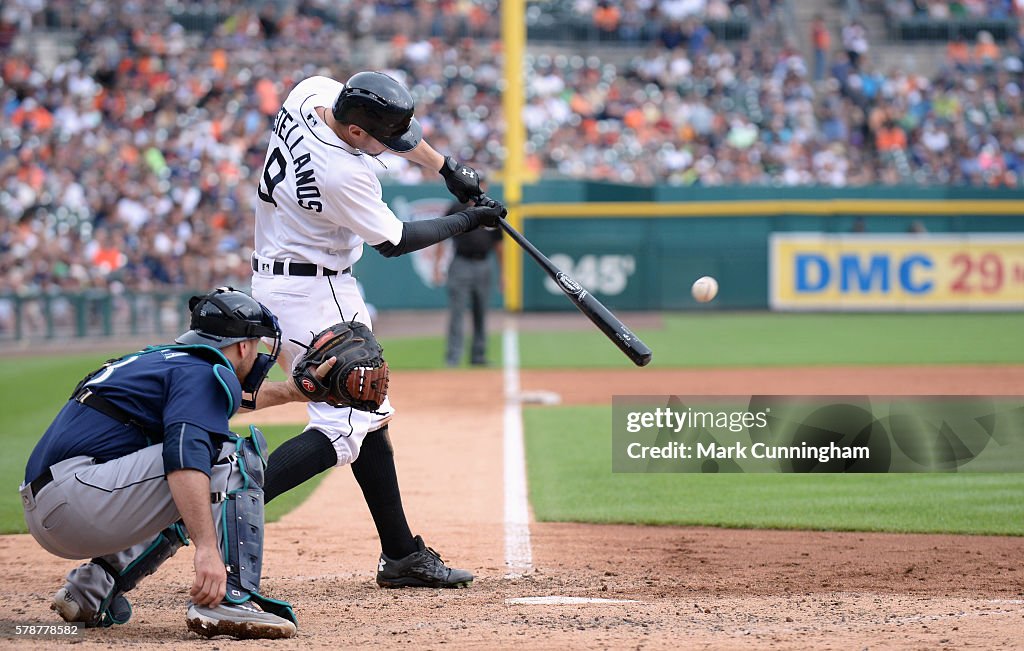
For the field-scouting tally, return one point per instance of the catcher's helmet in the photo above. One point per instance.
(226, 316)
(381, 106)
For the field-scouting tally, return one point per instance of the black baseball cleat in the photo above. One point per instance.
(420, 569)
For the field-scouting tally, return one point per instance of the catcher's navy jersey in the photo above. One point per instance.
(183, 398)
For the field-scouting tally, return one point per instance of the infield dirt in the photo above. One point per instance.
(688, 587)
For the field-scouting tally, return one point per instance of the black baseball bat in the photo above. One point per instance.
(602, 317)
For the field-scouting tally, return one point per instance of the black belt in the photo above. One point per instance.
(40, 482)
(300, 269)
(476, 257)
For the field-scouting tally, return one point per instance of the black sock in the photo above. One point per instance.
(296, 460)
(374, 469)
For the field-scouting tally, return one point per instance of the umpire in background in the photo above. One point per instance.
(469, 281)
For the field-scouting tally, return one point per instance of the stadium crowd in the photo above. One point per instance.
(946, 9)
(132, 165)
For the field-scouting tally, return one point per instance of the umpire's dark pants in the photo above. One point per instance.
(469, 282)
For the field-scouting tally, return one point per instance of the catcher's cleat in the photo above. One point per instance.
(420, 569)
(245, 621)
(64, 604)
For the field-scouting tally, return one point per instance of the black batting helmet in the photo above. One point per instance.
(226, 316)
(381, 106)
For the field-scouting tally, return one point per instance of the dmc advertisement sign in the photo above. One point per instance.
(968, 271)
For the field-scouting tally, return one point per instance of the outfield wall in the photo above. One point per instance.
(640, 248)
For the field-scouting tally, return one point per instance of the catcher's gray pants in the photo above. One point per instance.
(114, 511)
(469, 282)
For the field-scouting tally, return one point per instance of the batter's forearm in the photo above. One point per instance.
(424, 155)
(421, 234)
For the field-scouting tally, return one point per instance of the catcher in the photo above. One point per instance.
(126, 473)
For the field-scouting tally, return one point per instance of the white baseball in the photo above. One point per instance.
(704, 289)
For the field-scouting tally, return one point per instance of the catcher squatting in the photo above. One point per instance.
(127, 470)
(141, 458)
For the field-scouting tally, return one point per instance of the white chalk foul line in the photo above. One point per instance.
(518, 556)
(555, 600)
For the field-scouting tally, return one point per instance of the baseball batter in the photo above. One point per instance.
(319, 202)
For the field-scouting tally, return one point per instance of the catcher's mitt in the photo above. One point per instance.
(359, 379)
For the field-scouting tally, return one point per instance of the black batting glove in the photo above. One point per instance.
(462, 180)
(486, 202)
(484, 215)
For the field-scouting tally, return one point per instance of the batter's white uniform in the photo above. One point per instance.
(319, 202)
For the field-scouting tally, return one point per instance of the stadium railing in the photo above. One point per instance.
(930, 29)
(92, 314)
(584, 31)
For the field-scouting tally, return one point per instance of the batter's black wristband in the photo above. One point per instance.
(448, 167)
(421, 234)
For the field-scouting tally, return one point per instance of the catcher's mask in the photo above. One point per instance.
(227, 316)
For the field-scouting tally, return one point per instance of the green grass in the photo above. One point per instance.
(570, 479)
(423, 353)
(34, 390)
(771, 339)
(696, 339)
(428, 352)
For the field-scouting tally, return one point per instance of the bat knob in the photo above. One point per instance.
(484, 200)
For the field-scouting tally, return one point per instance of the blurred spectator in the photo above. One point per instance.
(890, 138)
(940, 10)
(821, 41)
(106, 253)
(633, 23)
(607, 18)
(8, 28)
(958, 52)
(855, 41)
(986, 52)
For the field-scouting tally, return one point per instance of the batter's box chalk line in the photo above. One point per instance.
(555, 600)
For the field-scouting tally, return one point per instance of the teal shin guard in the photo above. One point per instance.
(241, 525)
(116, 609)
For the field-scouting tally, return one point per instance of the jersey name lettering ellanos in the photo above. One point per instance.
(306, 189)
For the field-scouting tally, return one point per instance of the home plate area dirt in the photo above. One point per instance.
(591, 586)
